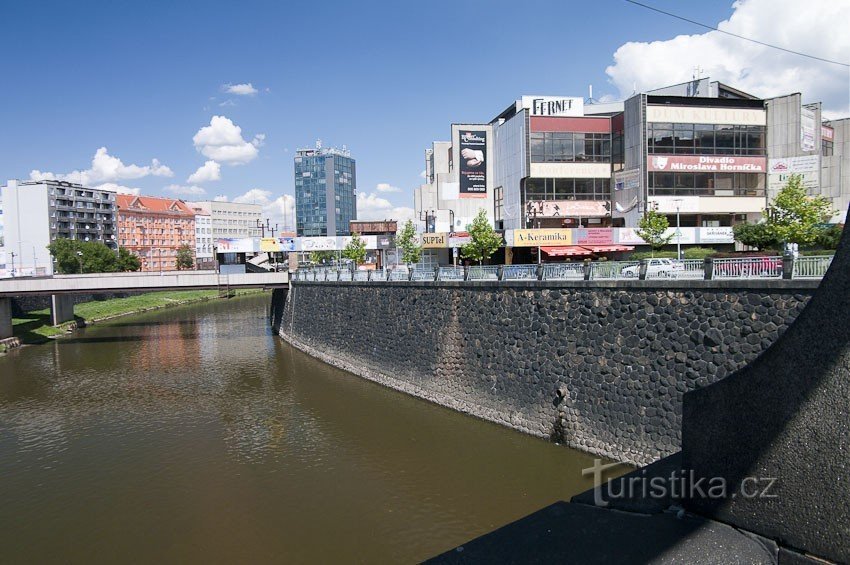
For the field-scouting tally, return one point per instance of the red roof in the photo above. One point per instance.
(131, 202)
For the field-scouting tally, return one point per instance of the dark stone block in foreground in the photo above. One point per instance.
(577, 533)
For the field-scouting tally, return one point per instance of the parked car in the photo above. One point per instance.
(656, 268)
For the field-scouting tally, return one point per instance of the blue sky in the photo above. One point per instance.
(383, 78)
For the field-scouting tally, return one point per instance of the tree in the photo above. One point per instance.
(795, 217)
(406, 241)
(761, 236)
(484, 241)
(829, 237)
(185, 257)
(652, 228)
(64, 252)
(322, 256)
(355, 250)
(128, 261)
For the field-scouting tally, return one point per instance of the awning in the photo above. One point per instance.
(609, 248)
(566, 251)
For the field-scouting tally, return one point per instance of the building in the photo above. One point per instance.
(204, 242)
(384, 232)
(35, 213)
(325, 191)
(232, 220)
(154, 229)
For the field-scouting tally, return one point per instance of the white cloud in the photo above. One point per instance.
(119, 188)
(106, 168)
(422, 174)
(181, 190)
(227, 103)
(222, 141)
(386, 187)
(373, 207)
(207, 172)
(279, 210)
(753, 68)
(245, 89)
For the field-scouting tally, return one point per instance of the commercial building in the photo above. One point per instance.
(204, 241)
(231, 219)
(35, 213)
(154, 229)
(325, 191)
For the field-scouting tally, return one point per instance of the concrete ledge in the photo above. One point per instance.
(694, 284)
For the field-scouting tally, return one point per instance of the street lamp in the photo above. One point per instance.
(80, 258)
(678, 202)
(13, 263)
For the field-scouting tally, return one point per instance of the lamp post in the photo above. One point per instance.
(80, 258)
(13, 263)
(678, 230)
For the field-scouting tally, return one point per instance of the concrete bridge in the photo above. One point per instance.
(63, 287)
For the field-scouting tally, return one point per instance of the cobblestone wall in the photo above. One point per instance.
(602, 369)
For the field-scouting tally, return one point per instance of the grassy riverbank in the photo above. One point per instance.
(34, 327)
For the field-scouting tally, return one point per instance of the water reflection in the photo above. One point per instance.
(195, 435)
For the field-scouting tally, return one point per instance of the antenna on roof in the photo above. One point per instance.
(318, 144)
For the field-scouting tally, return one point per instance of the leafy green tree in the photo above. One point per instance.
(319, 257)
(185, 258)
(406, 241)
(64, 252)
(761, 236)
(74, 256)
(128, 261)
(829, 237)
(484, 241)
(652, 228)
(98, 258)
(355, 250)
(795, 217)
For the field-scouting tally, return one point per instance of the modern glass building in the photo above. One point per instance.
(325, 191)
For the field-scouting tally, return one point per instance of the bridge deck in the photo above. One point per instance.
(117, 282)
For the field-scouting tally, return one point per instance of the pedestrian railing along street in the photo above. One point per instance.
(759, 267)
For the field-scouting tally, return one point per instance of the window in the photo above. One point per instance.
(827, 148)
(705, 139)
(567, 189)
(567, 147)
(706, 184)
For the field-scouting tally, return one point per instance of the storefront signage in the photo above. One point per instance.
(553, 105)
(386, 241)
(716, 235)
(269, 245)
(594, 236)
(706, 163)
(565, 208)
(317, 243)
(698, 115)
(542, 237)
(473, 163)
(459, 239)
(433, 240)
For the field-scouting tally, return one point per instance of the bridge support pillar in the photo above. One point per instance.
(5, 318)
(61, 308)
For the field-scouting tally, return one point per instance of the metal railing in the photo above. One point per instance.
(748, 268)
(811, 266)
(804, 267)
(563, 271)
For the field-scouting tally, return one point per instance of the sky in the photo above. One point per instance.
(209, 100)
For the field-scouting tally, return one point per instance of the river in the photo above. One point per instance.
(195, 435)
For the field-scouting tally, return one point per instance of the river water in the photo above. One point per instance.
(195, 435)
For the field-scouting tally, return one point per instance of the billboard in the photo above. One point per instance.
(238, 245)
(706, 163)
(780, 171)
(566, 208)
(317, 243)
(269, 245)
(286, 243)
(473, 163)
(807, 129)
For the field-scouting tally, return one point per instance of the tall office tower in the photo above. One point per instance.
(325, 191)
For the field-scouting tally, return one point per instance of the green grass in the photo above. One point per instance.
(34, 327)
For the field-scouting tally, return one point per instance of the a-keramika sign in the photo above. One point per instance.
(542, 237)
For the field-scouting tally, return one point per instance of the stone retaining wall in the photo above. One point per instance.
(600, 366)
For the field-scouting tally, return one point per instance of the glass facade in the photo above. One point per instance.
(705, 139)
(325, 193)
(706, 184)
(567, 189)
(568, 147)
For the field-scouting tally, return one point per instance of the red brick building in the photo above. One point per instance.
(154, 229)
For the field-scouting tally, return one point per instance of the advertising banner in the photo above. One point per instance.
(780, 171)
(566, 208)
(807, 129)
(629, 236)
(238, 245)
(542, 237)
(627, 180)
(473, 164)
(286, 243)
(370, 241)
(716, 235)
(459, 239)
(706, 163)
(594, 236)
(269, 245)
(386, 241)
(316, 244)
